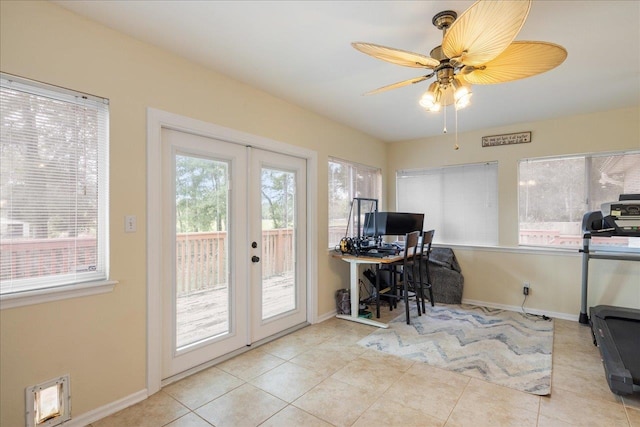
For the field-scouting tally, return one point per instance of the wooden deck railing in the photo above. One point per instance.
(556, 239)
(200, 257)
(201, 262)
(21, 259)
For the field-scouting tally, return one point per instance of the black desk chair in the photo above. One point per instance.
(394, 292)
(425, 251)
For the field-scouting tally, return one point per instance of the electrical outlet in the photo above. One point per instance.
(130, 225)
(525, 288)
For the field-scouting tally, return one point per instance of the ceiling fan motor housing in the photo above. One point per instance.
(445, 74)
(444, 19)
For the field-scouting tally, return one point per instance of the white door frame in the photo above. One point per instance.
(158, 119)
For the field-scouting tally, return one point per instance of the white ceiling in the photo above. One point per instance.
(300, 51)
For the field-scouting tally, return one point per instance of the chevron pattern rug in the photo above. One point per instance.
(498, 346)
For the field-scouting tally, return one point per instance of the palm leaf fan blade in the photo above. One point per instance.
(397, 85)
(520, 60)
(485, 30)
(396, 56)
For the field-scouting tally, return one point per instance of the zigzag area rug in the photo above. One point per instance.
(498, 346)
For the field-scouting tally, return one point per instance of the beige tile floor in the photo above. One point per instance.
(319, 376)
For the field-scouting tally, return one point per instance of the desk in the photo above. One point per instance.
(355, 288)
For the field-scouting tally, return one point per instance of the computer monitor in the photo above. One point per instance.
(391, 223)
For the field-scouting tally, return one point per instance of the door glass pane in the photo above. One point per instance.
(278, 249)
(202, 249)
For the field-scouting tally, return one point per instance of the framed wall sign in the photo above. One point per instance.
(506, 139)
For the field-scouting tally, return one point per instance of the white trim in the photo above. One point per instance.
(536, 250)
(154, 256)
(312, 232)
(158, 119)
(106, 410)
(39, 296)
(552, 314)
(327, 316)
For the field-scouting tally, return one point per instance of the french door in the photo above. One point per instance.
(233, 247)
(277, 212)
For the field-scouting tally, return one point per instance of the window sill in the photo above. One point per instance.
(538, 250)
(39, 296)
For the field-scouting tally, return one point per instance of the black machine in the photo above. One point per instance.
(371, 226)
(616, 330)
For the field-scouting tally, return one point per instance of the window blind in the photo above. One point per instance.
(459, 202)
(346, 181)
(53, 186)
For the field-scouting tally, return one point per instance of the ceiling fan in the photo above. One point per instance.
(477, 48)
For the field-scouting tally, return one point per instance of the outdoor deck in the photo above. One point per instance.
(204, 313)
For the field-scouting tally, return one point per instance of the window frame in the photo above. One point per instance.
(50, 288)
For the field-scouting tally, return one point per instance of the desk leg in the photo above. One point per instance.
(355, 301)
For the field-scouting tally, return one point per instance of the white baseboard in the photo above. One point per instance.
(552, 314)
(327, 316)
(106, 410)
(518, 309)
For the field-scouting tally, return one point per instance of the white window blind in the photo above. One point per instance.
(346, 181)
(53, 186)
(459, 202)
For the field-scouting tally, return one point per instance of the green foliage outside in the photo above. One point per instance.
(202, 187)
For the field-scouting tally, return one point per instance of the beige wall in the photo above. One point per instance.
(496, 275)
(101, 340)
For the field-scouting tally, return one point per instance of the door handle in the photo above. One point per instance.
(255, 258)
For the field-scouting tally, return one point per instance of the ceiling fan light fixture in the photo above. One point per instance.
(430, 100)
(464, 101)
(462, 93)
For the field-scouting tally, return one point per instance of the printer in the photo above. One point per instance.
(620, 218)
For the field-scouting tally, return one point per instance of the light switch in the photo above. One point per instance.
(130, 224)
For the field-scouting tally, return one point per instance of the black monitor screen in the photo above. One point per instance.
(392, 223)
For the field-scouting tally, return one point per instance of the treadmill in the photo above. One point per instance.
(616, 330)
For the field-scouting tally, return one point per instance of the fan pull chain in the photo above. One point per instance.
(445, 119)
(456, 147)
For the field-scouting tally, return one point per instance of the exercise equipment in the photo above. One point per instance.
(616, 330)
